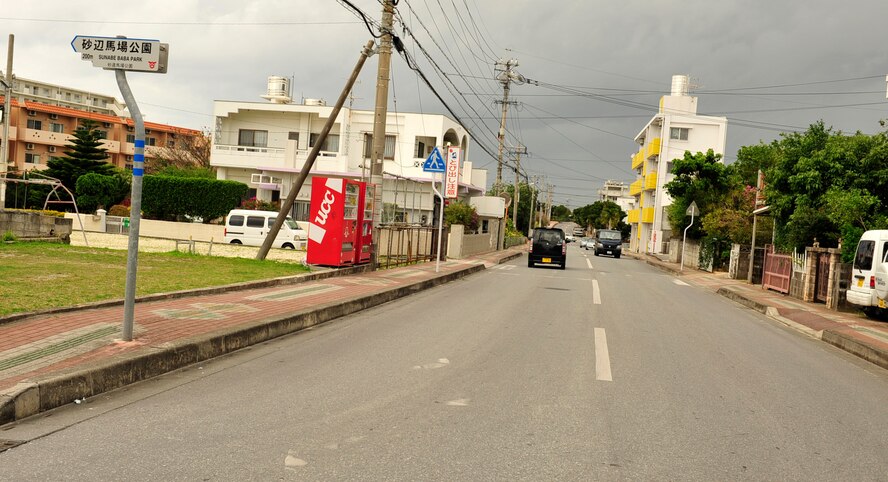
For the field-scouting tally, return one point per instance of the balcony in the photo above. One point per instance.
(635, 188)
(650, 182)
(653, 148)
(633, 215)
(647, 215)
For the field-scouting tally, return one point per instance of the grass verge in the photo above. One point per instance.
(36, 276)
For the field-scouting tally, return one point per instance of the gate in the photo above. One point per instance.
(401, 245)
(822, 289)
(778, 270)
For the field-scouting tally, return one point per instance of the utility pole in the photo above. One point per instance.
(520, 149)
(532, 210)
(505, 75)
(7, 118)
(377, 154)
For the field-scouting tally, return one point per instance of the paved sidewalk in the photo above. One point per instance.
(52, 359)
(850, 331)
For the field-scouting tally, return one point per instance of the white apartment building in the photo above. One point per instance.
(617, 192)
(61, 96)
(675, 129)
(265, 145)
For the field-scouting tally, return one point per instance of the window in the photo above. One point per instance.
(150, 141)
(293, 136)
(255, 221)
(678, 133)
(35, 124)
(32, 158)
(102, 134)
(55, 127)
(485, 226)
(236, 220)
(252, 138)
(389, 152)
(331, 143)
(424, 147)
(131, 138)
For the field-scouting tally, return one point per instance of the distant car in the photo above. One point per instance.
(608, 241)
(549, 246)
(586, 242)
(569, 238)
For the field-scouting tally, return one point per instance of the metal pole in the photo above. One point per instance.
(683, 239)
(7, 117)
(303, 174)
(132, 257)
(440, 221)
(379, 117)
(531, 211)
(501, 135)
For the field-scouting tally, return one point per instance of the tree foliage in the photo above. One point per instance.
(85, 154)
(188, 157)
(599, 215)
(700, 178)
(525, 210)
(96, 191)
(462, 213)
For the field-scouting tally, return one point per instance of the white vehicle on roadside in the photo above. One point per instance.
(869, 274)
(248, 227)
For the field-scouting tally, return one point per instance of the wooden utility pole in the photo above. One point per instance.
(517, 188)
(377, 156)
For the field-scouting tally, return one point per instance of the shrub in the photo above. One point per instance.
(8, 236)
(119, 210)
(165, 197)
(462, 213)
(260, 205)
(98, 190)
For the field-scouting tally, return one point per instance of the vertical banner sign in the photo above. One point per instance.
(451, 179)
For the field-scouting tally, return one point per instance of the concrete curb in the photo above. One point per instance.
(868, 353)
(52, 391)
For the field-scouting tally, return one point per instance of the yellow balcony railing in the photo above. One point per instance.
(647, 215)
(633, 216)
(637, 160)
(635, 188)
(650, 181)
(653, 148)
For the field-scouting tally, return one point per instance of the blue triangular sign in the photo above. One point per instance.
(435, 162)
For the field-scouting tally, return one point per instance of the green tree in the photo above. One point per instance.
(85, 154)
(525, 210)
(461, 213)
(97, 190)
(700, 178)
(561, 213)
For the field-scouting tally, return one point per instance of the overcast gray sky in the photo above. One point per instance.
(768, 65)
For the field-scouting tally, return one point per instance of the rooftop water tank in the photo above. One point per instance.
(315, 102)
(680, 85)
(278, 91)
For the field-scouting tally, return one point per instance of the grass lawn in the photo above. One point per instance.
(36, 276)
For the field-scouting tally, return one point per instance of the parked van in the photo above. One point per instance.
(869, 275)
(248, 227)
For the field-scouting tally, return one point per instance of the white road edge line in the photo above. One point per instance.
(680, 282)
(589, 262)
(596, 294)
(602, 357)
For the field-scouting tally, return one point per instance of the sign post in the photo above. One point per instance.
(140, 55)
(692, 211)
(435, 164)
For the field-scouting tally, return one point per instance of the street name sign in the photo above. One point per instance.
(113, 53)
(434, 163)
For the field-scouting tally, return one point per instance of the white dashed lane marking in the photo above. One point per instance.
(680, 282)
(589, 262)
(596, 294)
(602, 357)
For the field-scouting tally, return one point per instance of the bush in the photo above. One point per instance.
(98, 190)
(167, 198)
(462, 213)
(119, 210)
(260, 205)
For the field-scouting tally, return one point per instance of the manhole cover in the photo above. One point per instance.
(8, 444)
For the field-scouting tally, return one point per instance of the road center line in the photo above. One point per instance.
(589, 262)
(602, 357)
(596, 294)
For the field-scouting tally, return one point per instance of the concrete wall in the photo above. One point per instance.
(24, 224)
(152, 228)
(461, 245)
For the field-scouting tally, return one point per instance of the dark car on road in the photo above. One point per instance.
(608, 241)
(548, 247)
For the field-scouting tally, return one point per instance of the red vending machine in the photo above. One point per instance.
(335, 222)
(365, 236)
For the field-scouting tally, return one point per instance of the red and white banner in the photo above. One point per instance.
(451, 176)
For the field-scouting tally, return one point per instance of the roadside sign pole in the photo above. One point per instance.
(692, 210)
(440, 220)
(132, 257)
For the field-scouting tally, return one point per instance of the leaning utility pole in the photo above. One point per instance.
(7, 118)
(377, 154)
(505, 75)
(517, 188)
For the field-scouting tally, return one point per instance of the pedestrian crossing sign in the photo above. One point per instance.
(435, 162)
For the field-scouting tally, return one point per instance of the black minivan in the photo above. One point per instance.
(548, 247)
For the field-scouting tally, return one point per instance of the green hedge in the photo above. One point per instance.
(166, 197)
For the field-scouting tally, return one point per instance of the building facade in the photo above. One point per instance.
(266, 144)
(617, 192)
(675, 129)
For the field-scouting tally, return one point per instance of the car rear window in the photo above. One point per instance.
(864, 258)
(236, 220)
(551, 237)
(613, 235)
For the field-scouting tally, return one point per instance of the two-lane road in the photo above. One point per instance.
(606, 370)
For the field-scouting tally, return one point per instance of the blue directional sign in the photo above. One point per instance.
(435, 162)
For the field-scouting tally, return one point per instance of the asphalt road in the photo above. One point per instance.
(608, 370)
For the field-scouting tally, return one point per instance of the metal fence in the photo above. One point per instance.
(116, 225)
(401, 245)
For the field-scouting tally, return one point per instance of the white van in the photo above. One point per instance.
(869, 275)
(248, 227)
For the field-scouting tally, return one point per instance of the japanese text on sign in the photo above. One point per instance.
(122, 53)
(451, 184)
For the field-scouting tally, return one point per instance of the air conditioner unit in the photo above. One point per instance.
(52, 148)
(29, 146)
(106, 124)
(53, 116)
(32, 113)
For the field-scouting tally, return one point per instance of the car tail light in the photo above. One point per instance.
(564, 248)
(872, 282)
